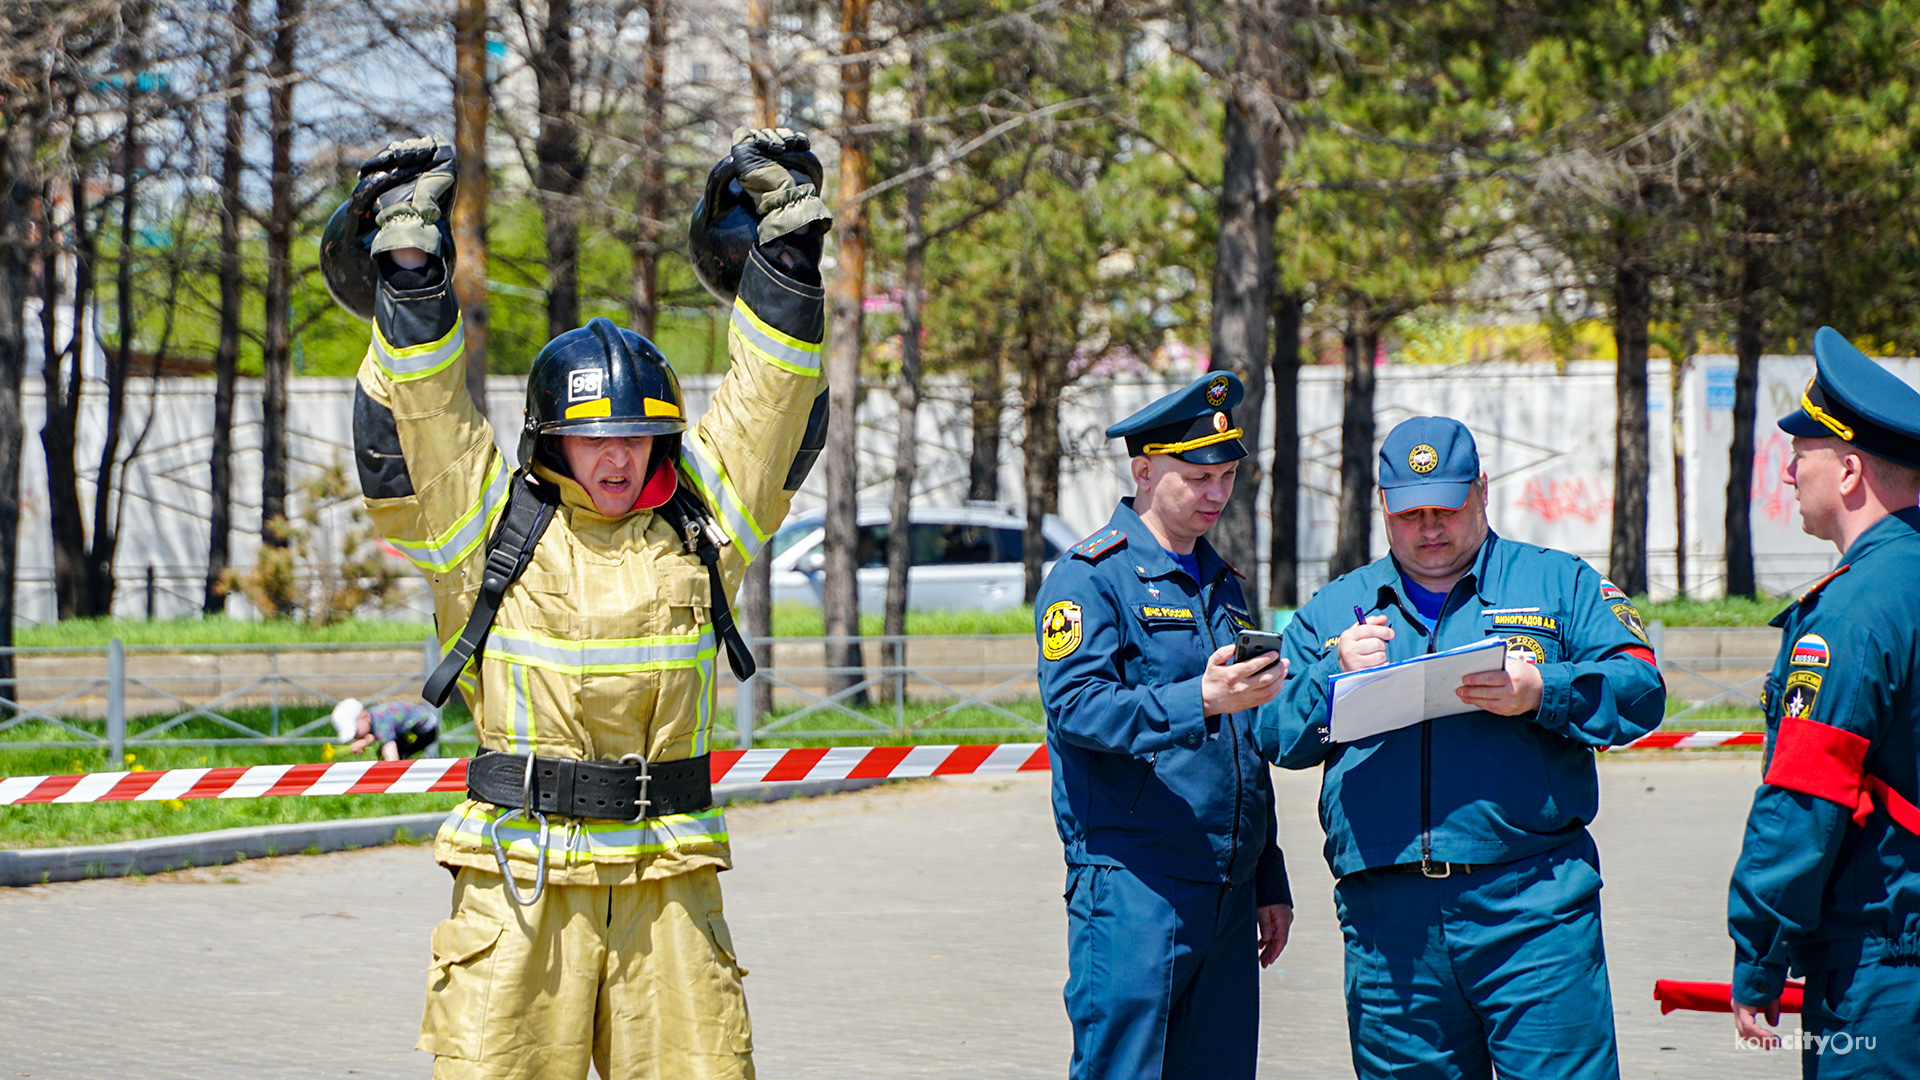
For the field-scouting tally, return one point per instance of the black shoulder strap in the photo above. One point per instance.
(509, 550)
(689, 516)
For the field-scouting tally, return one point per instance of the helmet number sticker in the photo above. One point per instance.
(585, 383)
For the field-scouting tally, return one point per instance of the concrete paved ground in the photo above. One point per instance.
(912, 930)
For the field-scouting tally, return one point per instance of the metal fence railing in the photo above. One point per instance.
(1726, 679)
(944, 676)
(122, 697)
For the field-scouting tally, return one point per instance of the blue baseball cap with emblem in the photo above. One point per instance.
(1853, 399)
(1428, 461)
(1194, 424)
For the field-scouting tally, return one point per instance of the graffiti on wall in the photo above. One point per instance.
(1772, 498)
(1581, 498)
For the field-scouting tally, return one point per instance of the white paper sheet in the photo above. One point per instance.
(1393, 696)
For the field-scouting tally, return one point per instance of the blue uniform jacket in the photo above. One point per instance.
(1141, 779)
(1814, 887)
(1487, 788)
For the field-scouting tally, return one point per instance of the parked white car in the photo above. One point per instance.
(964, 557)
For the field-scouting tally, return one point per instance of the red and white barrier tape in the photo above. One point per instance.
(729, 767)
(450, 774)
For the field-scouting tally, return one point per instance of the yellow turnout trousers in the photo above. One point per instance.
(640, 976)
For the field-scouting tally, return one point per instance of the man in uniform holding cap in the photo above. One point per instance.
(1469, 889)
(1828, 880)
(1176, 888)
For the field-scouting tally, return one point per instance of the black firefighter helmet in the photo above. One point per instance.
(724, 228)
(601, 380)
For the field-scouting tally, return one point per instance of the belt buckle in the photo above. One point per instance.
(640, 801)
(1426, 870)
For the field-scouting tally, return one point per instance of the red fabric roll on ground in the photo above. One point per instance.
(1712, 996)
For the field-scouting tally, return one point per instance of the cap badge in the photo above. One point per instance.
(1423, 459)
(1217, 392)
(1219, 421)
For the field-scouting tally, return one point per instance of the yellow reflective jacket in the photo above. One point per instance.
(605, 645)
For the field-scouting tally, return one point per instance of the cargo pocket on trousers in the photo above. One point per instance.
(734, 1005)
(458, 986)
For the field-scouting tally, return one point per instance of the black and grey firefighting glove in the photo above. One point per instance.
(410, 184)
(783, 204)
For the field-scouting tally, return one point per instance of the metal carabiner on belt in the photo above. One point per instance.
(524, 810)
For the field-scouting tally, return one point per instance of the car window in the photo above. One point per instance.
(789, 535)
(1008, 542)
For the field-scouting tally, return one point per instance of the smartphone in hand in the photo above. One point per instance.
(1248, 644)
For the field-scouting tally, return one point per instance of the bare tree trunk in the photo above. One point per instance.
(983, 457)
(98, 595)
(1040, 457)
(766, 104)
(1748, 344)
(16, 200)
(1676, 375)
(559, 170)
(468, 221)
(1255, 141)
(63, 376)
(906, 393)
(276, 359)
(1632, 308)
(226, 359)
(643, 308)
(1283, 584)
(840, 604)
(1353, 543)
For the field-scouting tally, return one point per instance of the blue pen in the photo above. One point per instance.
(1359, 617)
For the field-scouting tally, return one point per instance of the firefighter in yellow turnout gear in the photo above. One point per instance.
(599, 668)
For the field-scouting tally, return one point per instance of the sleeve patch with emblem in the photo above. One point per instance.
(1526, 648)
(1610, 592)
(1803, 688)
(1630, 618)
(1060, 630)
(1810, 651)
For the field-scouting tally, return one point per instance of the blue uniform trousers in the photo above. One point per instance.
(1501, 969)
(1163, 977)
(1865, 1017)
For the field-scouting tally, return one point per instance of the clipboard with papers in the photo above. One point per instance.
(1377, 700)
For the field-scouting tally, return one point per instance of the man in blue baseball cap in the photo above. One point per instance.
(1176, 889)
(1828, 882)
(1469, 888)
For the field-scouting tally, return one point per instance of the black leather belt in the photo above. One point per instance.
(609, 790)
(1433, 870)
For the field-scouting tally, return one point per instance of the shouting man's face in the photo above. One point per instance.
(611, 469)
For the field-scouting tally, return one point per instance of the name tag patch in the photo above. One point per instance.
(1531, 622)
(1155, 613)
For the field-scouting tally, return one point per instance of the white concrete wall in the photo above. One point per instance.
(1546, 441)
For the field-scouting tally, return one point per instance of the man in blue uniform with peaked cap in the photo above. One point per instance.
(1469, 888)
(1828, 881)
(1176, 890)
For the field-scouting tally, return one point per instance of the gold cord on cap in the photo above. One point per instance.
(1832, 422)
(1190, 444)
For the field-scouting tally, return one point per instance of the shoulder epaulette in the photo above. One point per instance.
(1099, 544)
(1822, 583)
